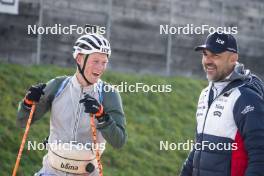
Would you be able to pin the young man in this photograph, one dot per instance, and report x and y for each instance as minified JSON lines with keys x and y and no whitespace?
{"x":230,"y":115}
{"x":72,"y":100}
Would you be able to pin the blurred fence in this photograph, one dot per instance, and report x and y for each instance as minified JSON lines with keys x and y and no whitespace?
{"x":133,"y":28}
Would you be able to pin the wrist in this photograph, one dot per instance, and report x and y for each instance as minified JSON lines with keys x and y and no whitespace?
{"x":100,"y":112}
{"x":103,"y":118}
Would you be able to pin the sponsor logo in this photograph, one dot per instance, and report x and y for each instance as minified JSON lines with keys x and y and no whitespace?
{"x":218,"y":40}
{"x":199,"y":114}
{"x":201,"y":107}
{"x":221,"y":99}
{"x":218,"y":106}
{"x":217,"y":113}
{"x":105,"y":50}
{"x":69,"y":166}
{"x":248,"y":109}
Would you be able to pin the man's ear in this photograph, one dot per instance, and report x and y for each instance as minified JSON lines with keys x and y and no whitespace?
{"x":234,"y":57}
{"x":79,"y":59}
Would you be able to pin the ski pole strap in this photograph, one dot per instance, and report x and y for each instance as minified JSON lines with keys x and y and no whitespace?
{"x":92,"y":123}
{"x":28,"y":102}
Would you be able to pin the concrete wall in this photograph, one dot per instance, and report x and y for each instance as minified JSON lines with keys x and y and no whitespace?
{"x":134,"y":32}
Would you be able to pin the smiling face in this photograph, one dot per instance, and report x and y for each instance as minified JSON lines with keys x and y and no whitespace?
{"x":95,"y":67}
{"x":218,"y":66}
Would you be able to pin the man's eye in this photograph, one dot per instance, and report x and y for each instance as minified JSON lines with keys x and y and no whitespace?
{"x":204,"y":53}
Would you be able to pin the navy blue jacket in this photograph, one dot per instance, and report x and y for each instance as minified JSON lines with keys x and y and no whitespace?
{"x":233,"y":121}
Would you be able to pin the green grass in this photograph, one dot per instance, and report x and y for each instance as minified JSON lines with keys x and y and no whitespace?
{"x":151,"y":117}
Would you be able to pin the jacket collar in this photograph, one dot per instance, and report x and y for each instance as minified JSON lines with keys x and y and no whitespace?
{"x":236,"y":79}
{"x":242,"y":77}
{"x":76,"y":84}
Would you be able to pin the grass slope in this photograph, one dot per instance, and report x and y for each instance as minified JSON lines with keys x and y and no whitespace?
{"x":151,"y":117}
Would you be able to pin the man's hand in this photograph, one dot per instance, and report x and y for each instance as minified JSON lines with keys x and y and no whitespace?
{"x":92,"y":106}
{"x":34,"y":93}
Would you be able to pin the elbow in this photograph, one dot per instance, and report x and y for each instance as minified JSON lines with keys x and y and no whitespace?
{"x":121,"y":142}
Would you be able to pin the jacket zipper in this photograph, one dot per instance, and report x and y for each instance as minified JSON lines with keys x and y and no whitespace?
{"x":77,"y":117}
{"x":200,"y":153}
{"x":204,"y":126}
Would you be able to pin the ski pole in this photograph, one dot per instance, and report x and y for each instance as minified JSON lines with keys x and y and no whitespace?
{"x":24,"y":139}
{"x":95,"y":142}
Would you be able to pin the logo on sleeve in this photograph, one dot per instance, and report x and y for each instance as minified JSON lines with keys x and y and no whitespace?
{"x":247,"y":109}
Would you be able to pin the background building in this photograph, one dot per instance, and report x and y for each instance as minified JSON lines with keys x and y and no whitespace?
{"x":134,"y":30}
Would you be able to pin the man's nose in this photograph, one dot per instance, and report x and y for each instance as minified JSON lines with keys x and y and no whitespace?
{"x":208,"y":59}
